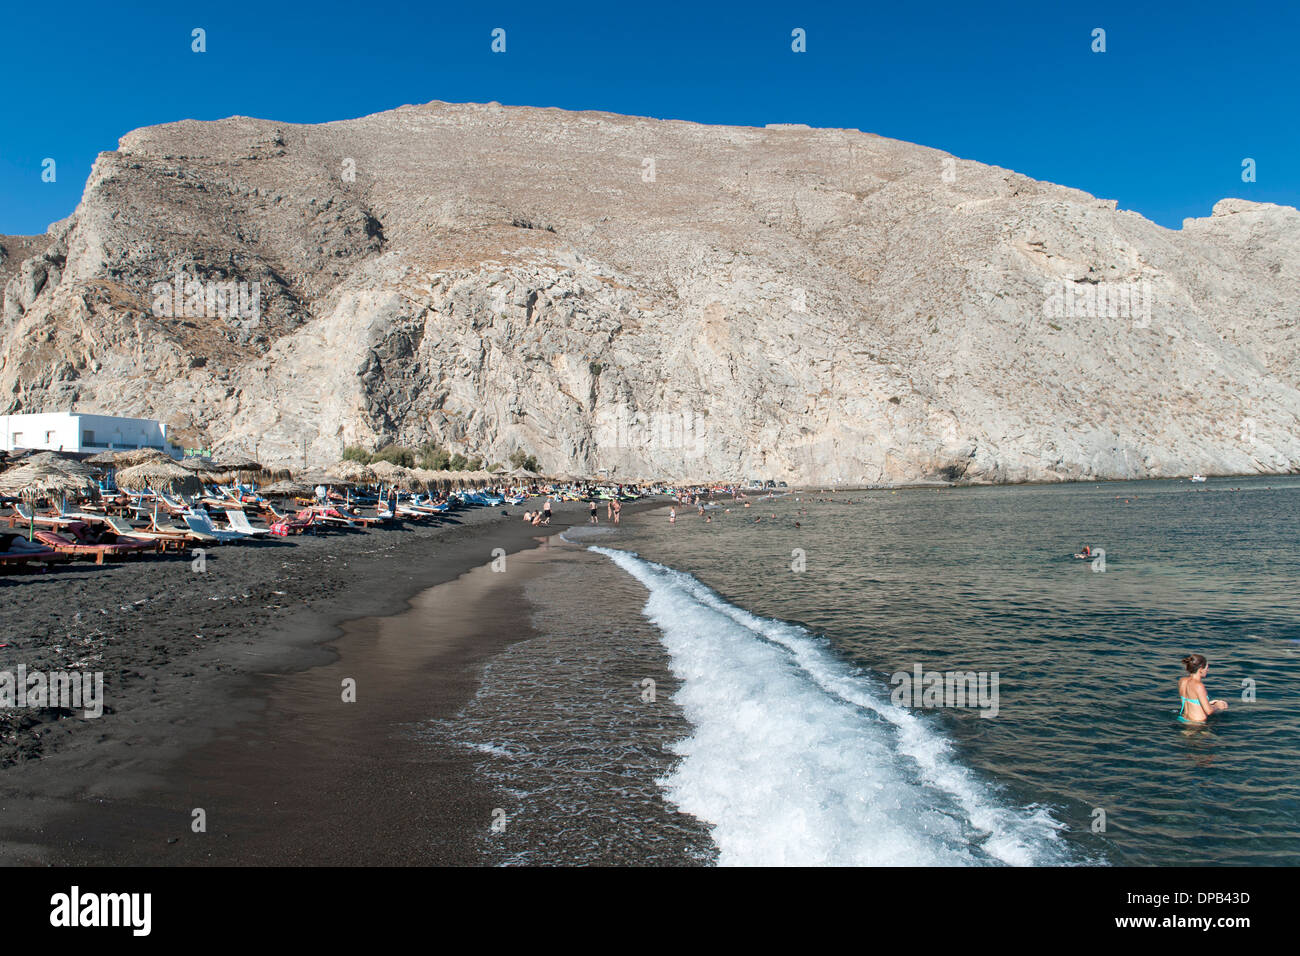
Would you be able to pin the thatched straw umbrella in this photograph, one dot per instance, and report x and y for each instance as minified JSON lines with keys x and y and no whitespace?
{"x":390,"y":474}
{"x":105,"y":459}
{"x":203,"y":467}
{"x":440,"y":477}
{"x":235,"y":468}
{"x":240,"y":463}
{"x":34,"y":481}
{"x":49,"y":459}
{"x":137,"y":456}
{"x":159,"y":476}
{"x":288,"y":488}
{"x":422,"y":479}
{"x":386,"y":470}
{"x":326,"y":478}
{"x":353,"y":471}
{"x":37,"y":481}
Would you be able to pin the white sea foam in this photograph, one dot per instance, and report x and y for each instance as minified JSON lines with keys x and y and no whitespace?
{"x":795,"y":758}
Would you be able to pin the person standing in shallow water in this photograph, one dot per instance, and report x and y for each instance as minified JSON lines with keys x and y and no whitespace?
{"x":1196,"y":707}
{"x":595,"y":519}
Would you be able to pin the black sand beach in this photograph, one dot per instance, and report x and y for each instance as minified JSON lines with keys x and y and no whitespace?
{"x":252,"y":643}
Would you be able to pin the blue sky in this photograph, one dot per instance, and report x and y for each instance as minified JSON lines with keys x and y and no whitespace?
{"x":1161,"y":121}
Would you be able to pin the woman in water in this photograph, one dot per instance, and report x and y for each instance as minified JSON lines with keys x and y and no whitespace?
{"x":1196,"y":707}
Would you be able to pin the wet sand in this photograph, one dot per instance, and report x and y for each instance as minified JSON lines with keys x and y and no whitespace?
{"x":232,"y":723}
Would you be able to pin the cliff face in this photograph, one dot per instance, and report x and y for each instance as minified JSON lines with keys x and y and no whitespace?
{"x":656,"y":298}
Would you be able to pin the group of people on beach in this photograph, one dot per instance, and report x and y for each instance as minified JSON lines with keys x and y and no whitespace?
{"x":613,"y":511}
{"x":542,"y":517}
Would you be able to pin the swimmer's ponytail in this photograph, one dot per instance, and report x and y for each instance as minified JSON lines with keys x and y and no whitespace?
{"x":1194,"y":662}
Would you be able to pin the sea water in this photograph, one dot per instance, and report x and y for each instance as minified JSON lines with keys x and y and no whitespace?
{"x":778,"y":646}
{"x":787,"y":639}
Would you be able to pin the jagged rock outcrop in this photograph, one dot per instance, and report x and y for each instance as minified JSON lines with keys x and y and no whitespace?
{"x":656,"y":298}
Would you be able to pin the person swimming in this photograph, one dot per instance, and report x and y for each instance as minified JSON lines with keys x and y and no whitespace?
{"x":1196,"y":708}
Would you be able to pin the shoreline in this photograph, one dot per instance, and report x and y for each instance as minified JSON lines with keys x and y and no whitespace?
{"x":924,"y":484}
{"x":166,"y":702}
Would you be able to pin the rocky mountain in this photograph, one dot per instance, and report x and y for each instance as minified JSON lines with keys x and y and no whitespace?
{"x":653,"y":298}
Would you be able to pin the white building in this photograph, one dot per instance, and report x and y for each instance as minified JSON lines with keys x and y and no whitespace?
{"x":78,"y":431}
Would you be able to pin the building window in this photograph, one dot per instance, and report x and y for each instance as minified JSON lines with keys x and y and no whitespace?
{"x":87,"y":437}
{"x":18,"y":440}
{"x":49,"y":438}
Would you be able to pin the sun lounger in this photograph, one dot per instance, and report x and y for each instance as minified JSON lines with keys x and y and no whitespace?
{"x":201,"y":523}
{"x":238,"y":521}
{"x":368,"y":521}
{"x":282,"y":525}
{"x":74,"y":540}
{"x":25,"y":514}
{"x":331,"y":517}
{"x":189,"y":534}
{"x":15,"y":549}
{"x":167,"y":540}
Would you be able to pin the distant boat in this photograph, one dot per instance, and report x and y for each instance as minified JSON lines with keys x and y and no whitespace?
{"x":1198,"y":478}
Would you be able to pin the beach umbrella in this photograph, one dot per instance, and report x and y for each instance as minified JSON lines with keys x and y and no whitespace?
{"x":158,"y":475}
{"x":67,"y":466}
{"x":448,"y":477}
{"x":161,"y":475}
{"x":200,"y":466}
{"x":327,"y":479}
{"x":425,"y":478}
{"x":390,"y":474}
{"x":204,"y":469}
{"x":351,"y":471}
{"x":288,"y":488}
{"x":235,"y":468}
{"x":49,"y":459}
{"x":106,"y":459}
{"x":36,"y":481}
{"x":137,"y":456}
{"x":241,"y":463}
{"x":386,"y":470}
